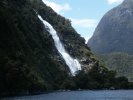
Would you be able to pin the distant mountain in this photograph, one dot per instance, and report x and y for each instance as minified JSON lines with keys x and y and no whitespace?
{"x":39,"y":50}
{"x":114,"y":33}
{"x":112,"y":40}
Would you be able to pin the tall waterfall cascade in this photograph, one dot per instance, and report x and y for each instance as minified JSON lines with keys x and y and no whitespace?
{"x":72,"y":63}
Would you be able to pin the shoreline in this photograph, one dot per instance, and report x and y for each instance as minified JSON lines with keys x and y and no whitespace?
{"x":8,"y":95}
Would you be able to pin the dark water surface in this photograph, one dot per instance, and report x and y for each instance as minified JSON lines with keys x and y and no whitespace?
{"x":81,"y":95}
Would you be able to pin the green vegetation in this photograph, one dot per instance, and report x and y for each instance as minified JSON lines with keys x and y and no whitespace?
{"x":122,"y":63}
{"x":112,"y":40}
{"x":97,"y":78}
{"x":29,"y":61}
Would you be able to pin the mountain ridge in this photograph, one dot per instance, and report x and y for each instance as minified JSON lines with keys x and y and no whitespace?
{"x":114,"y":32}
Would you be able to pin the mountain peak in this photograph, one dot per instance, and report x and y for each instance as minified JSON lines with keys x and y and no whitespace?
{"x":114,"y":32}
{"x":128,"y":2}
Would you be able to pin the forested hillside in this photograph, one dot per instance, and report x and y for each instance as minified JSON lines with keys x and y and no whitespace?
{"x":29,"y":60}
{"x":122,"y":63}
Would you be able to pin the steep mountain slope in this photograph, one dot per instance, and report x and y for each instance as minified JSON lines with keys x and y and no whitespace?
{"x":29,"y":60}
{"x":115,"y":31}
{"x":122,"y":63}
{"x":26,"y":49}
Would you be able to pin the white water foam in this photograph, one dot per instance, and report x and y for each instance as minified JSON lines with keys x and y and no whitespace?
{"x":72,"y":63}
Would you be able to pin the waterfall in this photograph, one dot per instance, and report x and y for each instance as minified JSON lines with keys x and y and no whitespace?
{"x":72,"y":63}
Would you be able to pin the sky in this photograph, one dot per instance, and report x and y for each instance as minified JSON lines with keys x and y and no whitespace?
{"x":84,"y":14}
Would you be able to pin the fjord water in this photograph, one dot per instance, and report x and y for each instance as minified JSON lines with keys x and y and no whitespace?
{"x":81,"y":95}
{"x":73,"y":64}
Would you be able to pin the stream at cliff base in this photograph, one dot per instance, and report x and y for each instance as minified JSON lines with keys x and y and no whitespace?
{"x":80,"y":95}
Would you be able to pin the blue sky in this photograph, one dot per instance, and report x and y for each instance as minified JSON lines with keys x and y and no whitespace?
{"x":84,"y":14}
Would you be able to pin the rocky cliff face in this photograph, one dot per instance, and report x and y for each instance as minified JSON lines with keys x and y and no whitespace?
{"x":115,"y":31}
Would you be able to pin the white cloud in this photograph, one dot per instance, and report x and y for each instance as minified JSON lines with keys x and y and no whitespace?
{"x":57,"y":7}
{"x":87,"y":38}
{"x":114,"y":1}
{"x":84,"y":23}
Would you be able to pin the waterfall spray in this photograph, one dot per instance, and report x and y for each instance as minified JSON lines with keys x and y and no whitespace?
{"x":72,"y":63}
